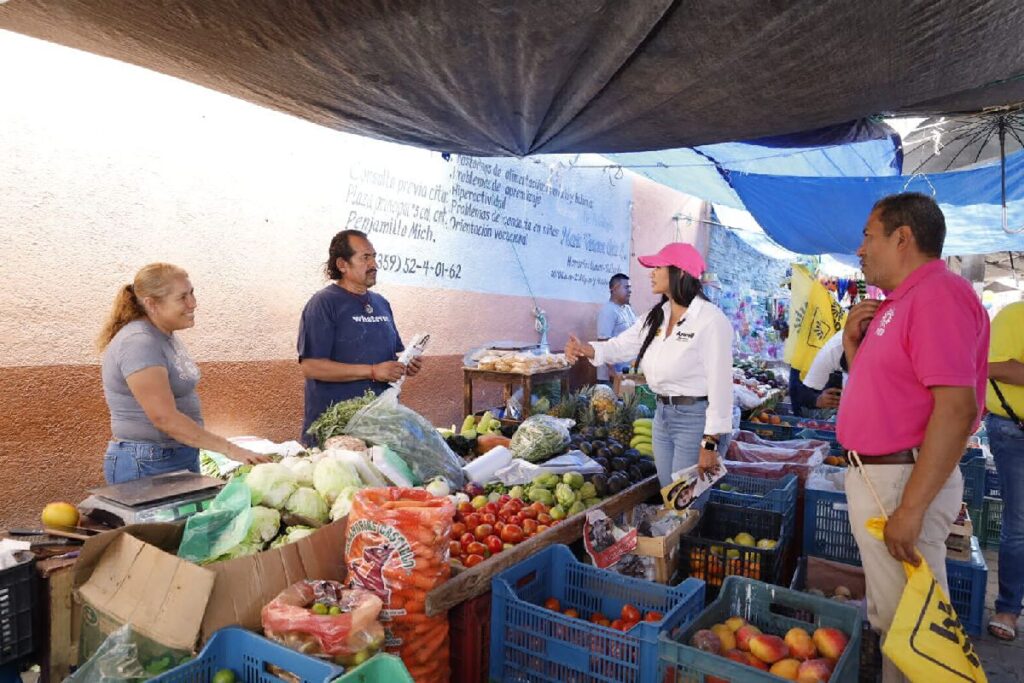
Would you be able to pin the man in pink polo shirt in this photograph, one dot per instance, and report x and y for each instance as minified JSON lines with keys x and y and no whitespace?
{"x":918,"y":366}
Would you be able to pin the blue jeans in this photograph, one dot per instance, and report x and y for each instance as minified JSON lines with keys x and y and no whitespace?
{"x":1006,"y":441}
{"x":130,"y":460}
{"x":675,"y":438}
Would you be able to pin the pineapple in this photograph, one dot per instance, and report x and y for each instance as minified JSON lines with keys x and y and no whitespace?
{"x":604,"y":403}
{"x":566,"y":408}
{"x":620,"y":427}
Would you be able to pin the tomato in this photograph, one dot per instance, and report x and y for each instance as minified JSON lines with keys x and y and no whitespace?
{"x":541,"y":528}
{"x":483,"y":531}
{"x":529,"y":527}
{"x":630,"y":613}
{"x":512,"y":533}
{"x":515,"y":519}
{"x":517,"y":504}
{"x":543,"y":518}
{"x":473,"y":520}
{"x":597,"y":618}
{"x":604,"y":622}
{"x":498,"y":526}
{"x":466,"y":508}
{"x":571,"y":613}
{"x":489,"y":518}
{"x":458,"y":529}
{"x":454,"y":548}
{"x":466,"y":538}
{"x":506,"y":511}
{"x":476,"y":548}
{"x":553,"y":605}
{"x":473,"y":560}
{"x":492,"y":508}
{"x":618,"y":625}
{"x":539,"y":508}
{"x":494,"y":544}
{"x":653,"y":616}
{"x":504,"y":498}
{"x":528,"y":513}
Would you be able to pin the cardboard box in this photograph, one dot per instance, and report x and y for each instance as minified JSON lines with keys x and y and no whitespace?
{"x":665,"y":549}
{"x":132,"y":575}
{"x":958,"y":543}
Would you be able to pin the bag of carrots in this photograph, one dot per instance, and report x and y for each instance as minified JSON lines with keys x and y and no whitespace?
{"x":397,"y":548}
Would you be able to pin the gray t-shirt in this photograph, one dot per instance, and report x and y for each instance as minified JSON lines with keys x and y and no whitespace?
{"x":613,"y":320}
{"x":139,"y":345}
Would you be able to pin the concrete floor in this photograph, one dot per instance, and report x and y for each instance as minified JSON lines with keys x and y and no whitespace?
{"x":1003,"y":662}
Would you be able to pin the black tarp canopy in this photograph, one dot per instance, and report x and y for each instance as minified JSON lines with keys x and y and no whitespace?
{"x":518,"y":77}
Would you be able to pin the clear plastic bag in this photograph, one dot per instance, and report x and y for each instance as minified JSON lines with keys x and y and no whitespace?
{"x":540,"y":437}
{"x":352,"y":635}
{"x":751,"y":455}
{"x":216,"y":530}
{"x":386,"y":422}
{"x":126,"y":657}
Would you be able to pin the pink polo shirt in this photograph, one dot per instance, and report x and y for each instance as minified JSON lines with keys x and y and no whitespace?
{"x":931,"y":331}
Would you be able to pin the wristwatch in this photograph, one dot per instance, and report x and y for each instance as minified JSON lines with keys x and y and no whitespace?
{"x":709,"y":443}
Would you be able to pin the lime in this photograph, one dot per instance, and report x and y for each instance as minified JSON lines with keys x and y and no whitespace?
{"x":224,"y":676}
{"x":334,"y":610}
{"x":319,"y":608}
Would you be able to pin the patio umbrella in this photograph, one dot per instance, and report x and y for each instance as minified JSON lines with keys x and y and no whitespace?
{"x":946,"y":143}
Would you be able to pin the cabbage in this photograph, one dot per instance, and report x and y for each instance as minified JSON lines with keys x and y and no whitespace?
{"x":271,"y":483}
{"x":243,"y":549}
{"x":265,"y":525}
{"x":308,"y":504}
{"x":292,"y":534}
{"x":343,"y":503}
{"x":331,"y":476}
{"x":302,"y":468}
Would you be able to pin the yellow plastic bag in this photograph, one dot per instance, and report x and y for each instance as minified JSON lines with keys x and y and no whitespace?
{"x":926,"y":640}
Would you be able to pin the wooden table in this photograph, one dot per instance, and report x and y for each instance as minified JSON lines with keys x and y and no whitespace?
{"x":477,"y":581}
{"x":509,"y":380}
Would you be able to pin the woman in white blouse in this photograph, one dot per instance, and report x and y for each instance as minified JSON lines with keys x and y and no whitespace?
{"x":683,"y":346}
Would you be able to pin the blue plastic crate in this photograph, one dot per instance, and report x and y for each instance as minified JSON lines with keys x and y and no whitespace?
{"x":17,"y":603}
{"x":757,"y":493}
{"x":972,"y":466}
{"x":967,"y":584}
{"x":991,"y":483}
{"x":991,"y":523}
{"x":766,"y":607}
{"x":249,"y":656}
{"x":827,"y":531}
{"x":783,"y":432}
{"x":531,"y":643}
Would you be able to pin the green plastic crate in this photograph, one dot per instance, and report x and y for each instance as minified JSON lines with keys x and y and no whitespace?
{"x":381,"y":668}
{"x":770,"y":609}
{"x":991,"y":522}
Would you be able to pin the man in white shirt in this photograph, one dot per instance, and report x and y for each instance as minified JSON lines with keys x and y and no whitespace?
{"x":616,"y":316}
{"x":830,"y":359}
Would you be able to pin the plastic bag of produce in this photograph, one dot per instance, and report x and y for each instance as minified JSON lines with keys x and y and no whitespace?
{"x":386,"y":422}
{"x":751,"y":455}
{"x":126,"y":657}
{"x":397,"y":548}
{"x":324,"y":619}
{"x":216,"y":530}
{"x":540,"y":437}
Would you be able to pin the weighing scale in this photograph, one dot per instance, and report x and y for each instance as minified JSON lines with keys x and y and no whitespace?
{"x":163,"y":498}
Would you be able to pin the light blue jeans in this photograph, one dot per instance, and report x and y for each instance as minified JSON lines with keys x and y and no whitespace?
{"x":1006,"y":441}
{"x":130,"y":460}
{"x":675,"y":438}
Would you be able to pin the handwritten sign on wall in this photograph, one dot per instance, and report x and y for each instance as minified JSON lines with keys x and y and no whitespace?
{"x":505,"y":226}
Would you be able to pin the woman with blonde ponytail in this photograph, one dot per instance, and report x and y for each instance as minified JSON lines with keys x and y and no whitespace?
{"x":149,"y":380}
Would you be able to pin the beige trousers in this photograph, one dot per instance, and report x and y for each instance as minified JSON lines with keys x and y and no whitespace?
{"x":884,"y":575}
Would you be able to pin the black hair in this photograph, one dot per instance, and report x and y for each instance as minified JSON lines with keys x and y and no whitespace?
{"x":683,"y":288}
{"x":341,"y":248}
{"x":920,"y":213}
{"x":616,"y":278}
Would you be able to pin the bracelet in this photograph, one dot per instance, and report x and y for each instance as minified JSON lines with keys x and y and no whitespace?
{"x":373,"y":377}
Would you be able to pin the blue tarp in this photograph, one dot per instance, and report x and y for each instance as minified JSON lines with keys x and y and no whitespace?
{"x":820,"y":215}
{"x":858,"y":148}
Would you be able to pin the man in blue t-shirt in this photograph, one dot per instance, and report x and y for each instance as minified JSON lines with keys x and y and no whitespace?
{"x":348,"y":341}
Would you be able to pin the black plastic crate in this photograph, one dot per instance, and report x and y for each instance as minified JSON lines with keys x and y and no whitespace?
{"x":17,"y":602}
{"x":711,"y":559}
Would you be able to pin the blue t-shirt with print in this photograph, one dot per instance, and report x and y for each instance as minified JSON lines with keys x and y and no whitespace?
{"x":336,"y":325}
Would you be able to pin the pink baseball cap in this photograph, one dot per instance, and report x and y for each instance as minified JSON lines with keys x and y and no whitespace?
{"x":678,"y":254}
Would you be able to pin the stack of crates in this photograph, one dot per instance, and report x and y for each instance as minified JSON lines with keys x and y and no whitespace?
{"x":967,"y":584}
{"x":992,"y":511}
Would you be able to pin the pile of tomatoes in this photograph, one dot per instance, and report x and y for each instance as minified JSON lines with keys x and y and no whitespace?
{"x":629,"y":616}
{"x":478,"y":533}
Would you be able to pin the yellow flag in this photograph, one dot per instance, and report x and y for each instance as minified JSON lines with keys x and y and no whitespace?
{"x":814,"y":316}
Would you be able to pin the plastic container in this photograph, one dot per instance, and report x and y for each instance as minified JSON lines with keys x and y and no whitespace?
{"x":967,"y":584}
{"x":17,"y":602}
{"x":531,"y":643}
{"x":991,"y":522}
{"x":707,"y":557}
{"x":249,"y":656}
{"x":380,"y":668}
{"x":827,"y":531}
{"x":972,"y":466}
{"x":470,"y":626}
{"x":760,"y":604}
{"x":756,"y":493}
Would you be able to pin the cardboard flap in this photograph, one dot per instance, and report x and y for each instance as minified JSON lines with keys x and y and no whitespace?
{"x":165,"y":536}
{"x":160,"y":595}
